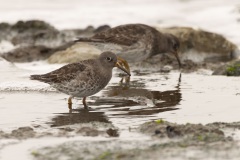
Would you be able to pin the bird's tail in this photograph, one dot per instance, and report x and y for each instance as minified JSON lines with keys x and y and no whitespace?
{"x":89,"y":40}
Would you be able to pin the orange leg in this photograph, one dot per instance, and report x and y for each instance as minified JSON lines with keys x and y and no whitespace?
{"x":70,"y":103}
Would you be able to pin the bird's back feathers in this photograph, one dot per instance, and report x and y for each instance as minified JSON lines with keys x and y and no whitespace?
{"x":63,"y":74}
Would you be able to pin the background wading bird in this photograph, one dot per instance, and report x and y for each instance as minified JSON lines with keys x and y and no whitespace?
{"x":134,"y":42}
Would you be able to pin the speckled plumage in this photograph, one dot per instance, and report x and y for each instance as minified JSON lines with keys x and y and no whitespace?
{"x":81,"y":79}
{"x":78,"y":79}
{"x":134,"y":42}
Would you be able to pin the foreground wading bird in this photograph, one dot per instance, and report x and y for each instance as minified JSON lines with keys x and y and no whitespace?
{"x":84,"y":78}
{"x":134,"y":42}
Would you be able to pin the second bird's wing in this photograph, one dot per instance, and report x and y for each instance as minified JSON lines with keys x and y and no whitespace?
{"x":122,"y":35}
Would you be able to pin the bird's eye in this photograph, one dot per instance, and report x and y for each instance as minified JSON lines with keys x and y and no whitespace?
{"x":109,"y":59}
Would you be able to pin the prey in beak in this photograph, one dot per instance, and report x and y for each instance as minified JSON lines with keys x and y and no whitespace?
{"x":123,"y":65}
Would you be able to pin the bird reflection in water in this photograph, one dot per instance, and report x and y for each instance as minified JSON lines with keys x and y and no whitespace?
{"x":83,"y":116}
{"x":162,"y":101}
{"x":119,"y":100}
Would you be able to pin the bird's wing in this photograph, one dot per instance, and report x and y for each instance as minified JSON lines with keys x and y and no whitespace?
{"x":63,"y":74}
{"x":123,"y":35}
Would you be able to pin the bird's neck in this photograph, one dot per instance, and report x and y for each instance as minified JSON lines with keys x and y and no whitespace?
{"x":105,"y":70}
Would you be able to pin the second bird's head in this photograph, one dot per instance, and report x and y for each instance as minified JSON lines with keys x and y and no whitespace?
{"x":110,"y":60}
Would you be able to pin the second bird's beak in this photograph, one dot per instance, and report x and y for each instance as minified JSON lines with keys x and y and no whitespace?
{"x":178,"y":59}
{"x":118,"y":65}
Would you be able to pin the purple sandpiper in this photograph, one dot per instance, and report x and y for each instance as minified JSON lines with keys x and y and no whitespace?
{"x":84,"y":78}
{"x":135,"y":42}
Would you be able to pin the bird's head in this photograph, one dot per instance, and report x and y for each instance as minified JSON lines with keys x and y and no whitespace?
{"x":110,"y":60}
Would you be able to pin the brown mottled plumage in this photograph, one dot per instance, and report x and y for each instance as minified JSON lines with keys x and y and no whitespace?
{"x":84,"y":78}
{"x":134,"y":42}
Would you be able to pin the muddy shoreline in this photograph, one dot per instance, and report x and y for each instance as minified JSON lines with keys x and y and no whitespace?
{"x":165,"y":140}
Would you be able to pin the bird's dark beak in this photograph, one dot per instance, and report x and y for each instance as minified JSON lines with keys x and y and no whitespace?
{"x":178,"y":59}
{"x":120,"y":66}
